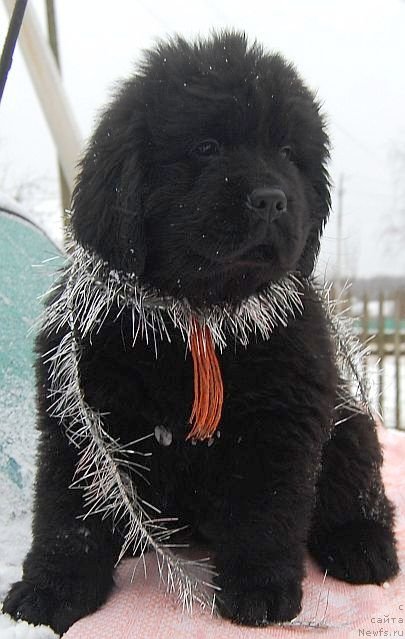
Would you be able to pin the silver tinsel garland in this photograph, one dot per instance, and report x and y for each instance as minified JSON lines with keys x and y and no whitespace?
{"x":93,"y":290}
{"x":89,"y":293}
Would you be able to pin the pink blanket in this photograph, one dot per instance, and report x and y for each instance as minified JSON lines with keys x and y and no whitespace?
{"x":142,"y":610}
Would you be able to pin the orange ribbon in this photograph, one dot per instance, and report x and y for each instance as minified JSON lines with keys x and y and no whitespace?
{"x":208,"y":386}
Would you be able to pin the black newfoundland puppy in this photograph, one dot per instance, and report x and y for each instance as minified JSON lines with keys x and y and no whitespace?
{"x":206,"y":179}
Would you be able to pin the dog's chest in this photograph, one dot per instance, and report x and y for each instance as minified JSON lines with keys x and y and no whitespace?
{"x":151,"y":390}
{"x":147,"y":387}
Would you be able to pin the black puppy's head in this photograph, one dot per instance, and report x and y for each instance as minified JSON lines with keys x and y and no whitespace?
{"x":206,"y":175}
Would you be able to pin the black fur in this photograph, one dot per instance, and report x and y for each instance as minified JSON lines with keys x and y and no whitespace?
{"x":281,"y":478}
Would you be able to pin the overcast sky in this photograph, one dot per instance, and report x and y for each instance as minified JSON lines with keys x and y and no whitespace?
{"x":352,"y":52}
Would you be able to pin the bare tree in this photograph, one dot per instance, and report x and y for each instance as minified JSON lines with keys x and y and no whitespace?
{"x":38,"y":195}
{"x":28,"y":190}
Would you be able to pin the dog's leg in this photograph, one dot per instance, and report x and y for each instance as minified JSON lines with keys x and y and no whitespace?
{"x":352,"y":532}
{"x":68,"y":571}
{"x":261,"y":535}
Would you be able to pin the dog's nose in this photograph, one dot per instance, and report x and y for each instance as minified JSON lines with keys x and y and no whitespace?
{"x":268,"y":203}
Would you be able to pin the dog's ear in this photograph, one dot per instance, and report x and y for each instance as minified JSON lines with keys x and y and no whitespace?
{"x":320,"y":216}
{"x":321,"y":200}
{"x":107,"y":201}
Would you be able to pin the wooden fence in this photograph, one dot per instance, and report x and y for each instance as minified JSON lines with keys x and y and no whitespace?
{"x":380,"y":322}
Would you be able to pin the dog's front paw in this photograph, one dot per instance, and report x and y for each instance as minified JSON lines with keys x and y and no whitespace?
{"x":40,"y":606}
{"x":360,"y":552}
{"x":260,"y":605}
{"x":25,"y":601}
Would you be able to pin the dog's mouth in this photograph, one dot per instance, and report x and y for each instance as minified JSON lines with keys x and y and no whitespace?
{"x":259,"y":257}
{"x":246,"y":258}
{"x":253,"y":262}
{"x":251,"y":251}
{"x":258,"y":261}
{"x":257,"y":252}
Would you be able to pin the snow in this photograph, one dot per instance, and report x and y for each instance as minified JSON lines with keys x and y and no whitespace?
{"x":17,"y":445}
{"x":9,"y":629}
{"x":16,"y":473}
{"x":15,"y":507}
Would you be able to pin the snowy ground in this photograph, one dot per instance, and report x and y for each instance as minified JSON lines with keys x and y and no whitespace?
{"x":17,"y":460}
{"x":15,"y":505}
{"x":15,"y":523}
{"x":23,"y":630}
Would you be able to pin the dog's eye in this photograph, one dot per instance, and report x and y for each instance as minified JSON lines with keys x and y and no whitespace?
{"x":206,"y":148}
{"x":286,"y":152}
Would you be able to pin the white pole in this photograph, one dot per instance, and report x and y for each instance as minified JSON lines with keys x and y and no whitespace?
{"x":50,"y":91}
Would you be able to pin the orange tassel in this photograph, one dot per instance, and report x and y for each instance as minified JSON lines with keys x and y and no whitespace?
{"x":208,"y":386}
